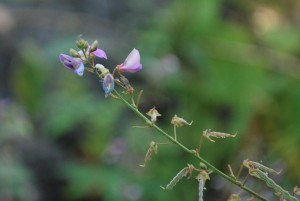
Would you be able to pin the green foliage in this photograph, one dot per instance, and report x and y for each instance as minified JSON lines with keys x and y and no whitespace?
{"x":213,"y":62}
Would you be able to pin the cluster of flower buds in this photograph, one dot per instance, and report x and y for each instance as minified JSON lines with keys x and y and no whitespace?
{"x":86,"y":55}
{"x":76,"y":61}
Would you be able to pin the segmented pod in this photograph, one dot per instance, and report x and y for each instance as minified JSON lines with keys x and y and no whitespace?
{"x":177,"y":178}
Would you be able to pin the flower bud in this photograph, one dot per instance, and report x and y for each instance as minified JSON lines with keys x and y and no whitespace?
{"x":104,"y":71}
{"x":82,"y":44}
{"x":74,"y":53}
{"x":94,"y":46}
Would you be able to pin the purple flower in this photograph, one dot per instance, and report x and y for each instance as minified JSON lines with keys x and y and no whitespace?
{"x":75,"y":64}
{"x":132,"y":63}
{"x":99,"y":53}
{"x":108,"y":84}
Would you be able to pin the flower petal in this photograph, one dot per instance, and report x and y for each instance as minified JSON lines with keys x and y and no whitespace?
{"x":79,"y":69}
{"x":74,"y":64}
{"x":108,"y":84}
{"x":67,"y":61}
{"x":132,"y":59}
{"x":99,"y":53}
{"x":132,"y":62}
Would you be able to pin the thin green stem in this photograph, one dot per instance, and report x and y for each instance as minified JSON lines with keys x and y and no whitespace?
{"x":134,"y":108}
{"x":193,"y":152}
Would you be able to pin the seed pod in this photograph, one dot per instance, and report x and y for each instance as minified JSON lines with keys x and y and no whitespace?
{"x":252,"y":164}
{"x":177,"y":178}
{"x":208,"y":133}
{"x":279,"y":191}
{"x":152,"y":149}
{"x":202,"y":177}
{"x":200,"y":189}
{"x":178,"y":122}
{"x":126,"y":83}
{"x":263,"y":168}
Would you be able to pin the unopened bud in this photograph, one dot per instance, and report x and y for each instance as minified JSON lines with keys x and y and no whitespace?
{"x":74,"y":53}
{"x":82,"y":44}
{"x":94,"y":46}
{"x":104,"y":71}
{"x":203,"y":166}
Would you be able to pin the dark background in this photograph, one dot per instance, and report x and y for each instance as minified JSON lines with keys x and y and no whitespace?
{"x":231,"y":66}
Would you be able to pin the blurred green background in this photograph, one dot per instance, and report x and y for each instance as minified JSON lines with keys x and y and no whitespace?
{"x":231,"y":66}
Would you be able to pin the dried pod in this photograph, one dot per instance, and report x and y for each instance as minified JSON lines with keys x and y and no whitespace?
{"x":190,"y":170}
{"x":252,"y":164}
{"x":208,"y":133}
{"x":183,"y":173}
{"x":126,"y":83}
{"x":200,"y":189}
{"x":152,"y":149}
{"x":178,"y":122}
{"x":202,"y":177}
{"x":153,"y":113}
{"x":279,"y":191}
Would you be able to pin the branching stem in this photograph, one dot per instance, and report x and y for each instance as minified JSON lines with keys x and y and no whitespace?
{"x":190,"y":151}
{"x":193,"y":152}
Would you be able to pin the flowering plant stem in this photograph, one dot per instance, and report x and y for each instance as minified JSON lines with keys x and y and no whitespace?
{"x":190,"y":151}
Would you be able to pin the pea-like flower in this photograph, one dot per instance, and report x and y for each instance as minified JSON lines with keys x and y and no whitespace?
{"x":132,"y":63}
{"x":97,"y":53}
{"x":108,"y":84}
{"x":75,"y":64}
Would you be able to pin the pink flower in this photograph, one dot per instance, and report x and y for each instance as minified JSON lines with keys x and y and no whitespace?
{"x":75,"y":64}
{"x":99,"y":53}
{"x":132,"y":63}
